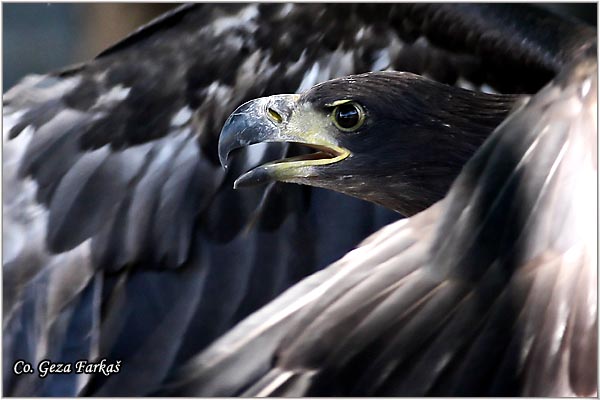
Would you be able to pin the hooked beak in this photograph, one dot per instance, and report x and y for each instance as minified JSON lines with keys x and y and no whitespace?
{"x":280,"y":118}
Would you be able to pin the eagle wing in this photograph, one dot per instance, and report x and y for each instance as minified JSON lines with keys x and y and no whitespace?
{"x":491,"y":291}
{"x":124,"y":239}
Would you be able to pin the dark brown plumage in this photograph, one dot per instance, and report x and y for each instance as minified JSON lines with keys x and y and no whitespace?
{"x":124,"y":239}
{"x":490,"y":292}
{"x":414,"y":136}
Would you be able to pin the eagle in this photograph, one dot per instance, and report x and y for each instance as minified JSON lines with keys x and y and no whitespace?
{"x":124,"y":239}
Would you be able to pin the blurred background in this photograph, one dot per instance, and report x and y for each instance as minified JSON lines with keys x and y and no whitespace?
{"x":40,"y":37}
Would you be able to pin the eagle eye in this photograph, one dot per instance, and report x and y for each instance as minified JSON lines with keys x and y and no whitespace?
{"x":348,"y":116}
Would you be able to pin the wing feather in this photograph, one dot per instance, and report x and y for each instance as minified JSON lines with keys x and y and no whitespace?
{"x":110,"y":169}
{"x":482,"y":294}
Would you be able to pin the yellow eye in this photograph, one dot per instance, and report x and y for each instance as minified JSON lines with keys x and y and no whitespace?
{"x":348,"y":116}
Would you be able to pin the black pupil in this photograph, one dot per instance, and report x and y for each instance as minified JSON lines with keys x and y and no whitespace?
{"x":347,"y":116}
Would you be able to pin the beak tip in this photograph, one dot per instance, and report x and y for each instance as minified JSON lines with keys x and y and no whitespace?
{"x":224,"y":161}
{"x":225,"y":147}
{"x":235,"y":129}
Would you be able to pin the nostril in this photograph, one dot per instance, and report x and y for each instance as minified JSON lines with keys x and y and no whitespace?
{"x":274,"y":115}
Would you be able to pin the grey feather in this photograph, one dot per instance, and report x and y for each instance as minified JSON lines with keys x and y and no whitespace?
{"x":474,"y":296}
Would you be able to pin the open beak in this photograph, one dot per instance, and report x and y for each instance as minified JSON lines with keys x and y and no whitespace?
{"x":280,"y":118}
